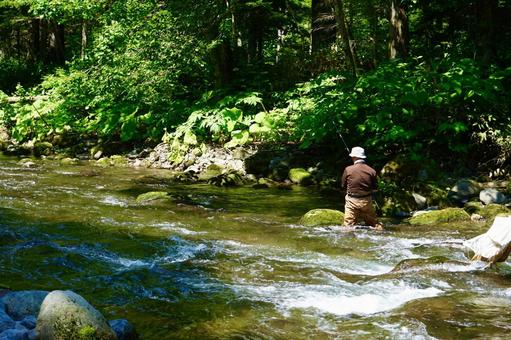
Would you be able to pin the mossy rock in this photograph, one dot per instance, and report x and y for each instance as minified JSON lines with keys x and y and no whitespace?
{"x":151,"y":196}
{"x":117,"y":160}
{"x":300,"y":176}
{"x":69,"y":161}
{"x":441,"y":216}
{"x":490,"y":211}
{"x":43,"y":149}
{"x":319,"y":217}
{"x":212,"y":170}
{"x":103,"y":162}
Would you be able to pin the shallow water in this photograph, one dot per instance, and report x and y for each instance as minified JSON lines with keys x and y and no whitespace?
{"x":216,"y":263}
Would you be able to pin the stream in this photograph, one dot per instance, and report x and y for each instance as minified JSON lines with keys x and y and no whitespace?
{"x":233,"y":263}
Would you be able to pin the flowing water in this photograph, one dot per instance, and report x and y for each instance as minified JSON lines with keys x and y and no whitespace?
{"x":217,"y":263}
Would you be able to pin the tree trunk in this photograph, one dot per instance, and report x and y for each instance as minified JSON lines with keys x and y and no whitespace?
{"x":59,"y":44}
{"x":34,"y":40}
{"x":342,"y":26}
{"x":486,"y":12}
{"x":235,"y":35}
{"x":43,"y":41}
{"x":84,"y":40}
{"x":398,"y":37}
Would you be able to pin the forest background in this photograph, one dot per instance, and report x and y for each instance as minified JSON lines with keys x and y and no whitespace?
{"x":427,"y":80}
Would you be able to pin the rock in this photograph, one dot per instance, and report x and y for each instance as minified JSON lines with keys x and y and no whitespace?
{"x":97,"y":154}
{"x":463,"y":190}
{"x":103,"y":162}
{"x":15,"y":334}
{"x":67,"y":315}
{"x":489,"y":196}
{"x":490,"y":211}
{"x":300,"y":176}
{"x":69,"y":161}
{"x":6,"y":322}
{"x":441,"y":216}
{"x":43,"y":149}
{"x":23,"y":303}
{"x":487,"y":212}
{"x":420,"y":200}
{"x":230,"y":179}
{"x":430,"y":263}
{"x":211,"y":171}
{"x":151,"y":196}
{"x":400,"y":203}
{"x":318,"y":217}
{"x":117,"y":160}
{"x":477,"y":218}
{"x":123,"y":329}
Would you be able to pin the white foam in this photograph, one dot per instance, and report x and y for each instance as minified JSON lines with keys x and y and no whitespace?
{"x":177,"y":227}
{"x":340,"y":299}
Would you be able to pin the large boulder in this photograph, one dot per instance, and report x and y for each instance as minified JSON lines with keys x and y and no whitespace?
{"x":67,"y":315}
{"x":441,"y":216}
{"x":463,"y":191}
{"x":319,"y":217}
{"x":489,"y":196}
{"x":23,"y":303}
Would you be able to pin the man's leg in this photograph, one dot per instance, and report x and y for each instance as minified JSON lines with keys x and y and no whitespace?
{"x":369,"y":215}
{"x":350,"y":212}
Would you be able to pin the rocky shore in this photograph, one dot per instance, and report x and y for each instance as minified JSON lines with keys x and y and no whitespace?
{"x":35,"y":314}
{"x":408,"y":189}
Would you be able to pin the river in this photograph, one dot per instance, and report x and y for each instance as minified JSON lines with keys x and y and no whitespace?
{"x":233,"y":263}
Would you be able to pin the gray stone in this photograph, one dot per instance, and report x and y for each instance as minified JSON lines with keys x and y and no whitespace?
{"x":123,"y":329}
{"x":67,"y":315}
{"x":23,"y":303}
{"x":420,"y":200}
{"x":463,"y":190}
{"x":489,"y":196}
{"x":15,"y":334}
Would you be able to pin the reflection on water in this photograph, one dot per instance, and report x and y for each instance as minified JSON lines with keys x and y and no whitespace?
{"x":220,"y":263}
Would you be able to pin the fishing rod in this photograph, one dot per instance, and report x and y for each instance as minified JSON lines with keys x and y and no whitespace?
{"x":340,"y":135}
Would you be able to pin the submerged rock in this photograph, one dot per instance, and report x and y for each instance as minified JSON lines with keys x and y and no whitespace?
{"x":441,"y":216}
{"x":424,"y":264}
{"x":17,"y":334}
{"x":318,"y":217}
{"x":123,"y":329}
{"x":67,"y":315}
{"x":152,"y":195}
{"x":6,"y":322}
{"x":23,"y":303}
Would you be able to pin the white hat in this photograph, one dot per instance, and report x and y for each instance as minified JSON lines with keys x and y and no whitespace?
{"x":358,"y":152}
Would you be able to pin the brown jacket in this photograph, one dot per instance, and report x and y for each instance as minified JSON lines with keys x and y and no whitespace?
{"x":359,"y":180}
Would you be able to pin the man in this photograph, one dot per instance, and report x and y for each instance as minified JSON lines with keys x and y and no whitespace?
{"x":359,"y":180}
